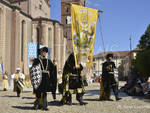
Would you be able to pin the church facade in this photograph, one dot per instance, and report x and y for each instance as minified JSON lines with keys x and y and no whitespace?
{"x":24,"y":21}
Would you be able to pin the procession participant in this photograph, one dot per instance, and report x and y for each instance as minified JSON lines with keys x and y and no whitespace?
{"x":48,"y":79}
{"x":18,"y":78}
{"x":60,"y":89}
{"x":108,"y":79}
{"x":5,"y":81}
{"x":72,"y":82}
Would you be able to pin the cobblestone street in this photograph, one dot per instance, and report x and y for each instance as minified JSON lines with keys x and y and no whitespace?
{"x":9,"y":103}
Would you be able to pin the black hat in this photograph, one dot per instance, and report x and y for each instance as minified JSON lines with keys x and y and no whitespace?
{"x":109,"y":55}
{"x":44,"y":49}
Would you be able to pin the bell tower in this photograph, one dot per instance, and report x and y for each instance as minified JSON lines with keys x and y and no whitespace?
{"x":66,"y":20}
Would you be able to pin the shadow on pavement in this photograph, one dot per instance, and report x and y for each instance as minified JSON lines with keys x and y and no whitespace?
{"x":91,"y":99}
{"x":141,"y":98}
{"x":9,"y":96}
{"x":91,"y":92}
{"x":55,"y":103}
{"x":23,"y":107}
{"x":28,"y":97}
{"x":30,"y":103}
{"x":27,"y":91}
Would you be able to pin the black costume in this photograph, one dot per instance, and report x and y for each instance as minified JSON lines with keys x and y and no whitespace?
{"x":48,"y":83}
{"x":108,"y":80}
{"x":72,"y":82}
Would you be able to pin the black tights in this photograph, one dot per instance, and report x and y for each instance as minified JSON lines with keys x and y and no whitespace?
{"x":18,"y":91}
{"x":42,"y":95}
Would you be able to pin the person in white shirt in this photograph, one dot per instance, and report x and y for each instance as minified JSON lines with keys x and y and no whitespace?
{"x":18,"y":78}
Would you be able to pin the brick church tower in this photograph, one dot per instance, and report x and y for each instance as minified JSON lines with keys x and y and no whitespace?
{"x":66,"y":20}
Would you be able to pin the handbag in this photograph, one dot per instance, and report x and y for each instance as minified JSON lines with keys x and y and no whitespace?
{"x":74,"y":81}
{"x":36,"y":76}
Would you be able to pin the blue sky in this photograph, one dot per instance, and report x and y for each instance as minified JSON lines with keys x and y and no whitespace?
{"x":120,"y":20}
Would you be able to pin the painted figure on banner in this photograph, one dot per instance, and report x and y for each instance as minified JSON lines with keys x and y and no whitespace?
{"x":83,"y":32}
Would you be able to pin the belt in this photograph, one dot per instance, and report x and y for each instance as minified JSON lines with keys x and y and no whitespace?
{"x":111,"y":72}
{"x":74,"y":75}
{"x":44,"y":71}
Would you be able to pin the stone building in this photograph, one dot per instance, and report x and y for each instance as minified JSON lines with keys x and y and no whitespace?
{"x":66,"y":20}
{"x":125,"y":67}
{"x":24,"y":21}
{"x":122,"y":61}
{"x":98,"y":59}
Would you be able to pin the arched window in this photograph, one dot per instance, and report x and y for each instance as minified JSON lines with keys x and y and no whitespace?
{"x":22,"y":39}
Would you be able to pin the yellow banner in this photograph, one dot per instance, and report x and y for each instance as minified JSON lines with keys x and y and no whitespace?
{"x":84,"y":22}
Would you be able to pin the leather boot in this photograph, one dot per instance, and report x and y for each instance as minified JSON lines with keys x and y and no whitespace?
{"x":115,"y":90}
{"x":69,"y":99}
{"x":36,"y":104}
{"x":45,"y":102}
{"x":80,"y":99}
{"x":117,"y":98}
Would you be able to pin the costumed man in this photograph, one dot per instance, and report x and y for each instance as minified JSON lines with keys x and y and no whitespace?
{"x":5,"y":81}
{"x":48,"y":80}
{"x":72,"y":82}
{"x":18,"y":78}
{"x":108,"y":81}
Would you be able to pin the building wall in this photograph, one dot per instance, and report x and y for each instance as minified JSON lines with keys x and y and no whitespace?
{"x":18,"y":20}
{"x":52,"y":37}
{"x":97,"y":63}
{"x":35,"y":8}
{"x":24,"y":5}
{"x":17,"y":29}
{"x":65,"y":13}
{"x":39,"y":8}
{"x":122,"y":62}
{"x":5,"y":31}
{"x":10,"y":38}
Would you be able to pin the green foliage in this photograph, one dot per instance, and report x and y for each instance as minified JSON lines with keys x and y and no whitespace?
{"x":142,"y":61}
{"x":144,"y":42}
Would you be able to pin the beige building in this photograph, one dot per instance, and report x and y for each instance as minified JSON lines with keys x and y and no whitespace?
{"x":126,"y":63}
{"x":24,"y":21}
{"x":99,"y":59}
{"x":122,"y":61}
